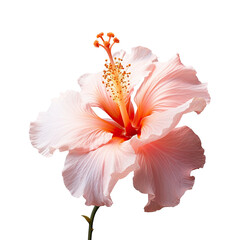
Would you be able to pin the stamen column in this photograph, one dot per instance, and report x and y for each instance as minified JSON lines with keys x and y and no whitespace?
{"x":120,"y":99}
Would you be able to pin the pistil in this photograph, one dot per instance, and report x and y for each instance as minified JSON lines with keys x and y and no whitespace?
{"x":115,"y":78}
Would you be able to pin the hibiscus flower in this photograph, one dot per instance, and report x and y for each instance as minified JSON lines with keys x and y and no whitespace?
{"x":143,"y":139}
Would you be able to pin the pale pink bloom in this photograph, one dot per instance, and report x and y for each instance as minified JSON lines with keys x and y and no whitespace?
{"x":102,"y":151}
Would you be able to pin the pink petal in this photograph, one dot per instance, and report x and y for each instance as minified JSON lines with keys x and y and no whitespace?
{"x":170,"y":85}
{"x":68,"y":124}
{"x":94,"y":174}
{"x":159,"y":124}
{"x":94,"y":92}
{"x":165,"y":167}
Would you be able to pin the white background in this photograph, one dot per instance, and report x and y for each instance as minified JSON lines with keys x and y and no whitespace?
{"x":46,"y":45}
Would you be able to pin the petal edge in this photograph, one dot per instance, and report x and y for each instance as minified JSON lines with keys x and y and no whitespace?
{"x":165,"y":167}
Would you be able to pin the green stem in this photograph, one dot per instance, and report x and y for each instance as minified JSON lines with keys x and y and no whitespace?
{"x":90,"y":229}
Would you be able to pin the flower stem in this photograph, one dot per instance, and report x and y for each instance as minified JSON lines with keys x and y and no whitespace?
{"x":90,"y":229}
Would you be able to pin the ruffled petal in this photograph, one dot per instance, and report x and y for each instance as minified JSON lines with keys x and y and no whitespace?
{"x":68,"y":124}
{"x":95,"y":93}
{"x":170,"y":85}
{"x":94,"y":174}
{"x":165,"y":167}
{"x":159,"y":124}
